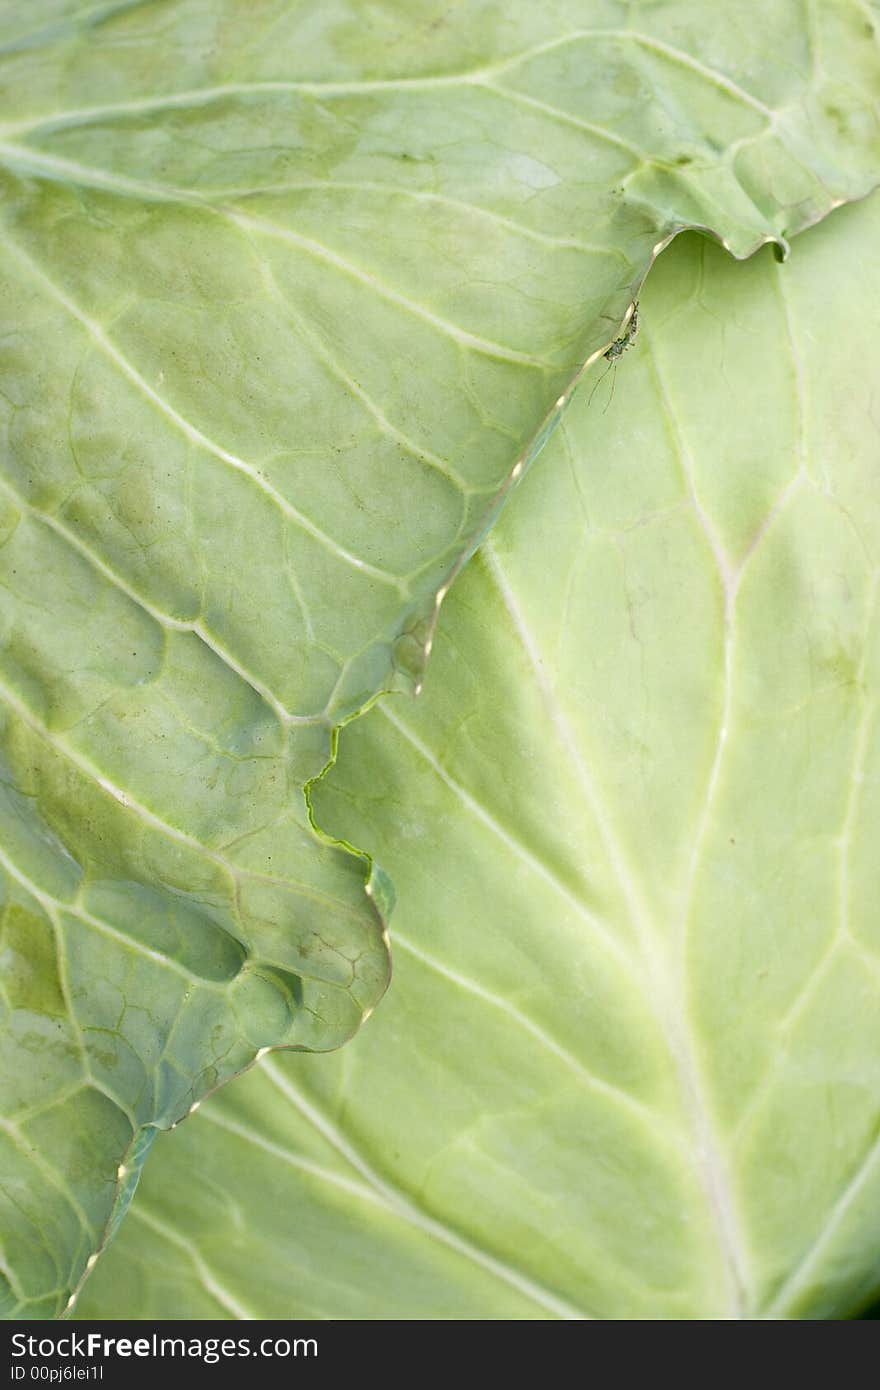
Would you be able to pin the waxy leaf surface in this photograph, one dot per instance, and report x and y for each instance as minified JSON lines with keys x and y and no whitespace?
{"x":290,"y":296}
{"x":628,"y":1064}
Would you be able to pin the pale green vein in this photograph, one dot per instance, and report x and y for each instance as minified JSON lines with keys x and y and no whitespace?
{"x":840,"y":936}
{"x":403,"y":1206}
{"x":56,"y":1179}
{"x":613,"y":1095}
{"x":302,"y":1164}
{"x":729,"y":583}
{"x":719,"y":1185}
{"x":665,"y":984}
{"x":165,"y":620}
{"x":50,"y":907}
{"x":328,"y":89}
{"x":299,"y":1163}
{"x":473,"y":342}
{"x":204,"y":1273}
{"x":564,"y":733}
{"x":190,"y":431}
{"x":420,"y":195}
{"x":25,"y":1114}
{"x":857,"y":772}
{"x":10,"y":1276}
{"x":205,"y":96}
{"x":516,"y":847}
{"x":51,"y":904}
{"x":312,"y":338}
{"x":149,"y":817}
{"x":800,"y":1276}
{"x":67,"y":169}
{"x":555,"y":113}
{"x":710,"y":75}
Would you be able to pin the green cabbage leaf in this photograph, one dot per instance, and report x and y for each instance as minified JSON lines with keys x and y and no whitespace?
{"x":291,"y":296}
{"x":628,"y":1065}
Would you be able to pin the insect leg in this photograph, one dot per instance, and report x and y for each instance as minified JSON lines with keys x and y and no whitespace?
{"x":598,"y":384}
{"x":613,"y":384}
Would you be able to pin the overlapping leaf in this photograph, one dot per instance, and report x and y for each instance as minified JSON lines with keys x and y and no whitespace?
{"x":628,"y":1068}
{"x":291,"y":295}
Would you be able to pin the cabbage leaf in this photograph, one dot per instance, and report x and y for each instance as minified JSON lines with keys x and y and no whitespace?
{"x":291,"y":296}
{"x":628,"y":1065}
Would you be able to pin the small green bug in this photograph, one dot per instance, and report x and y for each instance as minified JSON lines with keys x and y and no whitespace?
{"x":617,"y":349}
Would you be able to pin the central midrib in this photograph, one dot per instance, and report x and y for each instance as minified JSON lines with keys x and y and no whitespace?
{"x":667,"y":994}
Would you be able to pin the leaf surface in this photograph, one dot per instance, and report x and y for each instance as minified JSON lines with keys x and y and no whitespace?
{"x":291,"y":296}
{"x":627,"y":1068}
